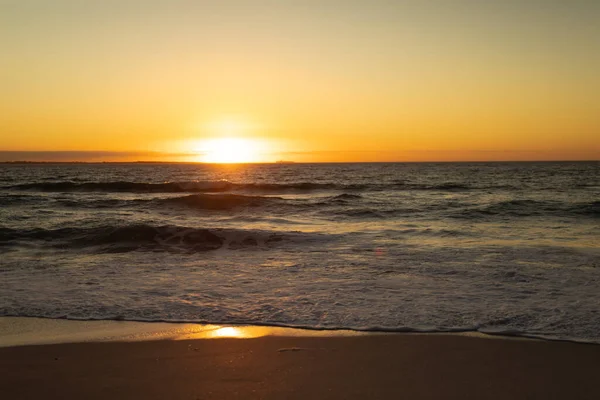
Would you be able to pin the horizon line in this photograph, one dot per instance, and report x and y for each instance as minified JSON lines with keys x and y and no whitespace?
{"x":289,"y":157}
{"x":297,"y":162}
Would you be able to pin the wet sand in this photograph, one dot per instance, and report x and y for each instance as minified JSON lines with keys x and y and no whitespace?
{"x":397,"y":366}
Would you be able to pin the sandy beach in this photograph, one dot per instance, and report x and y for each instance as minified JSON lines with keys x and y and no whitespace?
{"x":410,"y":366}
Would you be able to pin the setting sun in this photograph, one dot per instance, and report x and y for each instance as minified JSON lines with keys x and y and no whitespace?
{"x":229,"y":150}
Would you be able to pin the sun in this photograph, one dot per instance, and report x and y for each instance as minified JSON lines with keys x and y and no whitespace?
{"x":229,"y":150}
{"x":229,"y":140}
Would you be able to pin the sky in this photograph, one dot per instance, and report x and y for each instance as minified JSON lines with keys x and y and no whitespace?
{"x":318,"y":81}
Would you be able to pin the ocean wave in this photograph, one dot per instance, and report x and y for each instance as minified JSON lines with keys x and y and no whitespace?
{"x":144,"y":237}
{"x":17,"y":199}
{"x":591,"y":209}
{"x":175,"y":187}
{"x":219,"y":201}
{"x":227,"y":186}
{"x":198,"y":201}
{"x":347,"y":196}
{"x":125,"y":186}
{"x":209,"y":201}
{"x":530,"y":208}
{"x":445,"y":186}
{"x":361,"y":213}
{"x":370,"y":213}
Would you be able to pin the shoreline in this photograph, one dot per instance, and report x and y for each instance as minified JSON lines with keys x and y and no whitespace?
{"x":25,"y":331}
{"x":32,"y":331}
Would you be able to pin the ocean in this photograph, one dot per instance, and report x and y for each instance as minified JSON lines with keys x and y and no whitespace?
{"x":506,"y":248}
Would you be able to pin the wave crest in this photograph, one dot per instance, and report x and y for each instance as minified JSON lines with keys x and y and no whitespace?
{"x":141,"y":237}
{"x":528,"y":208}
{"x":175,"y":187}
{"x":227,"y":186}
{"x":219,"y":201}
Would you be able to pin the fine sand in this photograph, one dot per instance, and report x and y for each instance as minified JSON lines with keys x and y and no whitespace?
{"x":396,"y":366}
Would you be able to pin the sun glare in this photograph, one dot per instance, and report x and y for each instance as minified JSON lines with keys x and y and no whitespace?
{"x":229,"y":150}
{"x":229,"y":140}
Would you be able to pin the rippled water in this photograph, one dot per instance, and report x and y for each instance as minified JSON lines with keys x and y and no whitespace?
{"x":494,"y":247}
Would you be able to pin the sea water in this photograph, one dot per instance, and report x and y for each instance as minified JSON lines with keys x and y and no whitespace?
{"x":507,"y":248}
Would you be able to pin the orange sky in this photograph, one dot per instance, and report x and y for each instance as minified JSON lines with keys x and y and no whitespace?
{"x":303,"y":81}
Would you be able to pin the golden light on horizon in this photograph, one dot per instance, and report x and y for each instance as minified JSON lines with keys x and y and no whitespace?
{"x":229,"y":140}
{"x":230,"y":150}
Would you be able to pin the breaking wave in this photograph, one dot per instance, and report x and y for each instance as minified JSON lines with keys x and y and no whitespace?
{"x":173,"y":187}
{"x":528,"y":208}
{"x":345,"y":204}
{"x":227,"y":186}
{"x":219,"y":201}
{"x":144,"y":237}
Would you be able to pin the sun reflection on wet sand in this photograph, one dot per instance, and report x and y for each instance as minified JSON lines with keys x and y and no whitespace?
{"x":248,"y":332}
{"x":24,"y":330}
{"x":27,"y":331}
{"x":228,"y":331}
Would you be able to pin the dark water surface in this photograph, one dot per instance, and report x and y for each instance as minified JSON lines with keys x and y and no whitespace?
{"x":494,"y":247}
